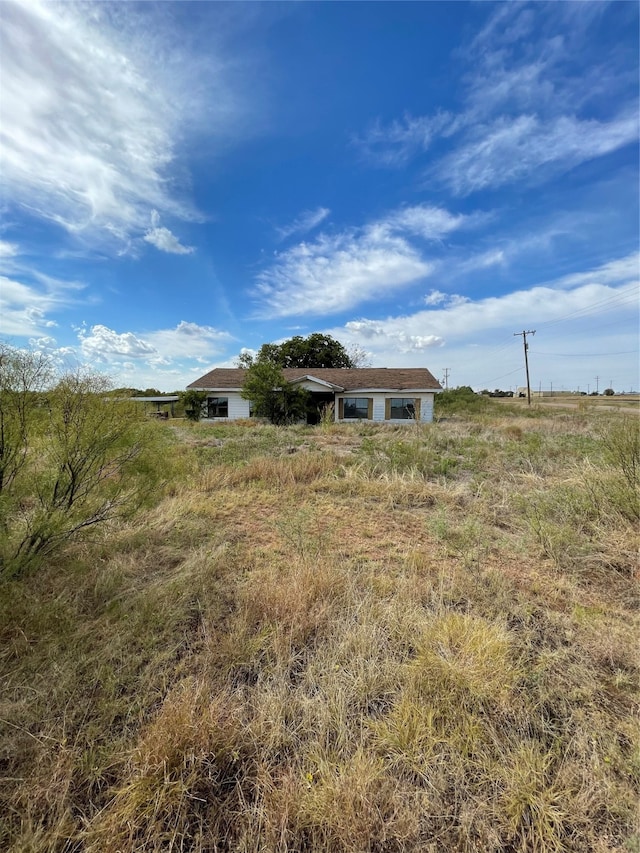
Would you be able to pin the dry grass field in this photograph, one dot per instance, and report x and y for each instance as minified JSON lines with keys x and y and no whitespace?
{"x":340,"y":638}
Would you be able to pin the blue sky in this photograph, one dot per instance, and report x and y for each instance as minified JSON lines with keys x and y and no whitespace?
{"x":182,"y":181}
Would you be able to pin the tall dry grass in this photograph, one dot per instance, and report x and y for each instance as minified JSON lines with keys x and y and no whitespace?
{"x":369,"y":639}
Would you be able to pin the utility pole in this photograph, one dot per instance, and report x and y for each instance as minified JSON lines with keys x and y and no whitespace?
{"x":597,"y":384}
{"x":447,"y":371}
{"x":526,"y":358}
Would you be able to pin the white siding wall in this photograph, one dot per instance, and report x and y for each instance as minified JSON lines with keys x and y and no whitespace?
{"x":426,"y":408}
{"x":379,"y":398}
{"x":378,"y":406}
{"x":238,"y":408}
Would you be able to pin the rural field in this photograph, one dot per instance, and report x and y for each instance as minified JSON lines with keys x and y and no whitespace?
{"x":340,"y":638}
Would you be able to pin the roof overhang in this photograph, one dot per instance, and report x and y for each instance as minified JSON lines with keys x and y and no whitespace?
{"x":403,"y":391}
{"x":308,"y":377}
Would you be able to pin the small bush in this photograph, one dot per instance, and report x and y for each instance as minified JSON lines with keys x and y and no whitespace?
{"x":193,"y":402}
{"x":74,"y":459}
{"x":458,"y":400}
{"x":621,"y":441}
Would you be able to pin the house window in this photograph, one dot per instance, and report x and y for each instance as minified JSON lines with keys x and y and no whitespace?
{"x":218,"y":407}
{"x":402,"y":408}
{"x":356,"y":407}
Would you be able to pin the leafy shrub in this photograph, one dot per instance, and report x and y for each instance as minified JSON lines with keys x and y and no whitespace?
{"x":193,"y":401}
{"x":621,"y":442}
{"x":70,"y":458}
{"x":463,"y":399}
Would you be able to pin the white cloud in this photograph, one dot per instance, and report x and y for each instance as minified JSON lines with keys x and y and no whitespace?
{"x":621,"y":272}
{"x":508,"y":149}
{"x":94,"y":102}
{"x":167,"y":359}
{"x":338,"y":271}
{"x":435,"y":297}
{"x":25,"y":307}
{"x":164,"y":240}
{"x":485,"y":260}
{"x":476,"y":337}
{"x":524,"y":113}
{"x":377,"y":333}
{"x":307,"y":221}
{"x":189,"y":340}
{"x":160,"y":347}
{"x":431,"y":223}
{"x":395,"y":144}
{"x":100,"y":343}
{"x":8,"y":250}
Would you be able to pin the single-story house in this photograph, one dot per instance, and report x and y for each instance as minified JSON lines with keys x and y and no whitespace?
{"x":381,"y":394}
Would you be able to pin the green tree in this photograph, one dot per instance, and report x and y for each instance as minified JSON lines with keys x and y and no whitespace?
{"x":72,"y":457}
{"x":316,"y":350}
{"x":272,"y":396}
{"x":193,"y":401}
{"x":23,"y":375}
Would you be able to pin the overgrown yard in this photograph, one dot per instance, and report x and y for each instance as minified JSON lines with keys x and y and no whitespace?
{"x":340,"y":638}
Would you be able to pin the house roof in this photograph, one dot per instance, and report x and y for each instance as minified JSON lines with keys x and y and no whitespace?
{"x":348,"y":379}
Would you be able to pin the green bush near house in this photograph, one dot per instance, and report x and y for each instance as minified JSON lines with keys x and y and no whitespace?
{"x":192,"y":402}
{"x":456,"y":400}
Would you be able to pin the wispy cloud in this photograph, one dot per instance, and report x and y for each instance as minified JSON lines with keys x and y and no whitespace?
{"x":394,"y":144}
{"x":338,"y":271}
{"x":428,"y":222}
{"x":305,"y":222}
{"x":481,"y":261}
{"x":524,"y":114}
{"x":509,"y":150}
{"x":92,"y":123}
{"x":8,"y":250}
{"x":27,"y":308}
{"x":619,"y":272}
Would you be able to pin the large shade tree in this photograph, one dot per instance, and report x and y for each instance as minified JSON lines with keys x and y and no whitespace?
{"x":316,"y":350}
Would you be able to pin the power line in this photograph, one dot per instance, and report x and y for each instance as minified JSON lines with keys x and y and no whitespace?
{"x":502,"y":376}
{"x":620,"y":296}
